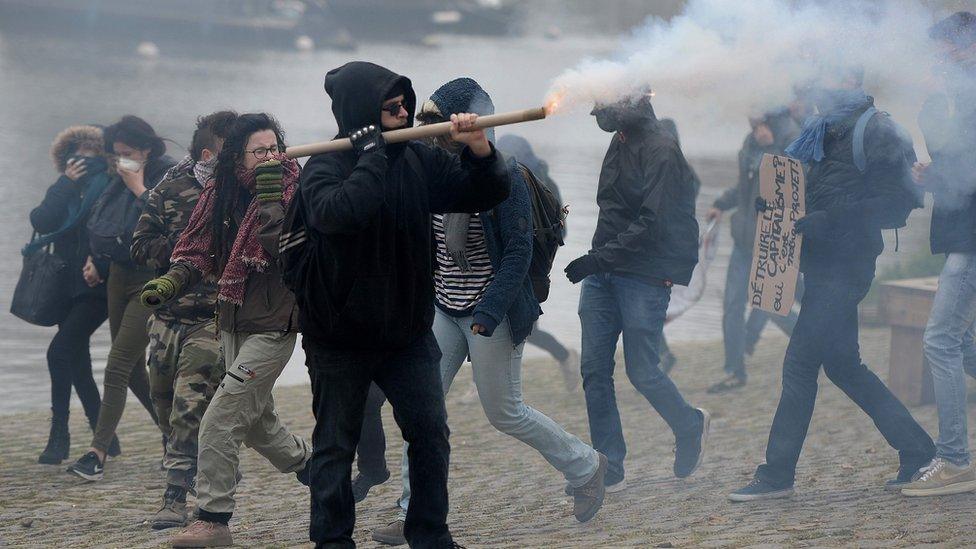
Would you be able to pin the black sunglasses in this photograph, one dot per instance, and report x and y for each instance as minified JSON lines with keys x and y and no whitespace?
{"x":393,"y":109}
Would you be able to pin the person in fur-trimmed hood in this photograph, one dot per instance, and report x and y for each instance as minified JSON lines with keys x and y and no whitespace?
{"x":79,"y":157}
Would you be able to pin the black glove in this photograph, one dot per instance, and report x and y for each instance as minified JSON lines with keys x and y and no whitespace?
{"x":762,"y":205}
{"x":582,"y":267}
{"x":368,"y":140}
{"x":814,"y":225}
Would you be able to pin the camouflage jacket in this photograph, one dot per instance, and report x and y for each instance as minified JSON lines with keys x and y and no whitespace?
{"x":166,"y":214}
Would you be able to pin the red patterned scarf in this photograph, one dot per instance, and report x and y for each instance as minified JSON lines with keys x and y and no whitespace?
{"x":247,"y":254}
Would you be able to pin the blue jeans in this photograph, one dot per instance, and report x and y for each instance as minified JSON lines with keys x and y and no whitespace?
{"x":735,"y":330}
{"x":951,"y":351}
{"x":826,"y":336}
{"x":611,"y":305}
{"x":497,"y":368}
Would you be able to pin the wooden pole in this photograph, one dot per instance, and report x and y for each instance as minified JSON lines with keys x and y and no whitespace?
{"x":420,"y":132}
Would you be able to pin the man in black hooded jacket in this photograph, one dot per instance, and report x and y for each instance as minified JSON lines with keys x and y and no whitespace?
{"x":646,"y":240}
{"x":366,"y":307}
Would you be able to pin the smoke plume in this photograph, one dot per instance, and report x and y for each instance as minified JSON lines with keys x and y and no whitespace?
{"x":722,"y":60}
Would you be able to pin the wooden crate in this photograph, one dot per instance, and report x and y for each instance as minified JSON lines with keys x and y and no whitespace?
{"x":905,"y":306}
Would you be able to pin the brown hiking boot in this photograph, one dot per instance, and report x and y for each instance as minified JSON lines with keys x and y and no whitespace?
{"x":391,"y":534}
{"x":588,"y":498}
{"x":173,"y":512}
{"x":203,"y":534}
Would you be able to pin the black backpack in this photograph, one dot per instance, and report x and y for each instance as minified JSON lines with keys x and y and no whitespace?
{"x":548,"y":221}
{"x":913,"y":196}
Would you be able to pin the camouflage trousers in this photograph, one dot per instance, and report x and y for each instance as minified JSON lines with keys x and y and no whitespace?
{"x":185,"y":368}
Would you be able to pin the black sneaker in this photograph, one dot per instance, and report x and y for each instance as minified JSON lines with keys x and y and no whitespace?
{"x":759,"y":490}
{"x":689,"y":451}
{"x":88,"y":467}
{"x":904,"y":478}
{"x":362,"y":484}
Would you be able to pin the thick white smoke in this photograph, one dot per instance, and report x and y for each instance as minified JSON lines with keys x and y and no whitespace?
{"x":721,"y":60}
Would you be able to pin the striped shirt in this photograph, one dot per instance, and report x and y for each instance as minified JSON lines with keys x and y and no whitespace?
{"x":457,"y":291}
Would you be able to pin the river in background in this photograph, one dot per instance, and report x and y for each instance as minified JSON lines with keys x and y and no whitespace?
{"x":48,"y":83}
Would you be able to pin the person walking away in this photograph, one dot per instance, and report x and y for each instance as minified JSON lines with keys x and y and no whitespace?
{"x":847,"y":207}
{"x":485,"y":307}
{"x":948,"y":121}
{"x":645,"y":241}
{"x":232,"y":236}
{"x":568,"y":359}
{"x":737,"y":337}
{"x":140,"y":163}
{"x":184,"y":353}
{"x":366,"y":299}
{"x":79,"y":156}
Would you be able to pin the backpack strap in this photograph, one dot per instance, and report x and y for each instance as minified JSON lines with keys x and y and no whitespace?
{"x":860,"y":159}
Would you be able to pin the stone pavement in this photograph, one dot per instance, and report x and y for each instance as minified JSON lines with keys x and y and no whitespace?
{"x":505,"y":495}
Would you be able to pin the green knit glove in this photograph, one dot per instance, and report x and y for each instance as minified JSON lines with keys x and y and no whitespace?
{"x":268,"y":176}
{"x":158,"y":291}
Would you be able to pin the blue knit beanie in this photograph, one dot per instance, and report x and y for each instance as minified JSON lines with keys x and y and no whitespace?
{"x":463,"y":95}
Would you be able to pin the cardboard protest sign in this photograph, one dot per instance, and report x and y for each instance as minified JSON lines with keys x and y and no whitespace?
{"x":776,"y":253}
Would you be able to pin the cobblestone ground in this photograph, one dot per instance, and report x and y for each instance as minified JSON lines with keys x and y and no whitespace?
{"x":504,"y":495}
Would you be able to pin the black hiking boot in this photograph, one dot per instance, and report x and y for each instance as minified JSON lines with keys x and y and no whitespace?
{"x":58,"y":442}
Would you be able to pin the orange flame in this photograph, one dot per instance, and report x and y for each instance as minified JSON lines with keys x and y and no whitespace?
{"x":553,"y":102}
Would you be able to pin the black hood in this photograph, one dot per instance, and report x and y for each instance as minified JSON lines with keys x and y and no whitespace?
{"x":358,"y":90}
{"x":628,"y":113}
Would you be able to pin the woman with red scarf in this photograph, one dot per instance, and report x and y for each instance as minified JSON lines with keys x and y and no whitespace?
{"x":233,"y":237}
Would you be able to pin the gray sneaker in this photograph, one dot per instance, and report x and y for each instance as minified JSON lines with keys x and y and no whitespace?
{"x":588,"y":498}
{"x":391,"y":534}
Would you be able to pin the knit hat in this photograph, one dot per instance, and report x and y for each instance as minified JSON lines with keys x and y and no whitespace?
{"x":463,"y":95}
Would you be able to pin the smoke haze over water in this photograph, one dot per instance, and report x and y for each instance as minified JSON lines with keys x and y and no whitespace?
{"x":721,"y":60}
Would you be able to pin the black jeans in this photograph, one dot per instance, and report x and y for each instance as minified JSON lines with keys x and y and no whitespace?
{"x":371,"y":453}
{"x":826,"y":334}
{"x":69,"y":358}
{"x":410,"y":379}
